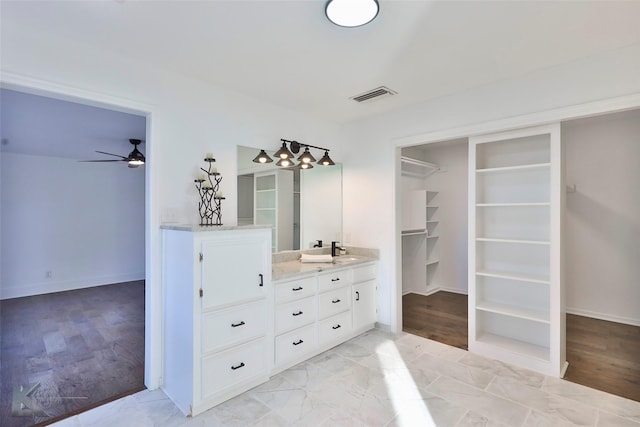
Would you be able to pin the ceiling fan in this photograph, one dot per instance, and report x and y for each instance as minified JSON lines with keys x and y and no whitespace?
{"x":135,"y":158}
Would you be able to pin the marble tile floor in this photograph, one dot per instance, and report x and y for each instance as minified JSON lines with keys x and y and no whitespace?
{"x":379,"y":379}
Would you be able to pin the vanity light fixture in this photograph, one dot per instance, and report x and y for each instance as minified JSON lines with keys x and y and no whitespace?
{"x":351,"y":13}
{"x":285,"y":163}
{"x":262,"y":157}
{"x":285,"y":156}
{"x":306,"y":157}
{"x":326,"y":160}
{"x":284,"y":152}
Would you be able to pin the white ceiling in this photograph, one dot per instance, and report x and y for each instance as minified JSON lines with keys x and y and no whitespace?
{"x":39,"y":126}
{"x":288,"y":53}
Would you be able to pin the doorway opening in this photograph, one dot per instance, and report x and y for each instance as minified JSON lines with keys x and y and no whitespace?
{"x":72,"y":303}
{"x":600,"y":239}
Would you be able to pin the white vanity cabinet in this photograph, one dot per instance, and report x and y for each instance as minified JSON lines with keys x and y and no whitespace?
{"x":217,"y":320}
{"x":363,"y":296}
{"x":334,"y":305}
{"x":321,"y":310}
{"x":296,"y":331}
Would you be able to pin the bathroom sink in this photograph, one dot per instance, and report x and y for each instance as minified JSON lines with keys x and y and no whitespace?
{"x":345,"y":259}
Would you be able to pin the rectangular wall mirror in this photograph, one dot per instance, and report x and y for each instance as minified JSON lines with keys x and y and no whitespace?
{"x":302,"y":206}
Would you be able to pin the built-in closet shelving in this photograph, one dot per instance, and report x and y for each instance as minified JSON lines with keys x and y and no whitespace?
{"x":273,"y":205}
{"x":515,"y":280}
{"x":420,"y":214}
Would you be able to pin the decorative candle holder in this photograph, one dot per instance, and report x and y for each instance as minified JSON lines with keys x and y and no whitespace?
{"x":208,"y":185}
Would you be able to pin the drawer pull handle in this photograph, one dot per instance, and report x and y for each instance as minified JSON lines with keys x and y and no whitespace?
{"x":336,"y":279}
{"x":335,"y":301}
{"x":336,"y":327}
{"x":237,"y":367}
{"x":357,"y":296}
{"x":297,"y":314}
{"x":261,"y":280}
{"x":298,"y":342}
{"x":235,"y":325}
{"x":299,"y":288}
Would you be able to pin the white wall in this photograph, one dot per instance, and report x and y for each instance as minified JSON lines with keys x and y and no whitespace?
{"x":369,"y":210}
{"x":83,"y":222}
{"x":602,"y":232}
{"x":188,"y":118}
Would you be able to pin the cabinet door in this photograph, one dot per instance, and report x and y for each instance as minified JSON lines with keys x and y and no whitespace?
{"x":364,"y":304}
{"x":235,"y":268}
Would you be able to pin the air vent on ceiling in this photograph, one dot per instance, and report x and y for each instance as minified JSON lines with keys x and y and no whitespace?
{"x":377,"y":93}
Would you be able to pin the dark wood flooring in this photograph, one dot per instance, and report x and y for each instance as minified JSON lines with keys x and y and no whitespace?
{"x":441,"y":317}
{"x":602,"y":355}
{"x":83,"y":347}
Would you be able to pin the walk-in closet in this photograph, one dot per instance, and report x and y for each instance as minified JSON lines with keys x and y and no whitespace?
{"x":530,"y":243}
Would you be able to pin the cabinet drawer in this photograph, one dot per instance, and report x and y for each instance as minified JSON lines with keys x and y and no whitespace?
{"x":295,"y":314}
{"x":296,"y":343}
{"x":232,"y":366}
{"x":364,"y":273}
{"x":295,"y":289}
{"x":334,"y":327}
{"x":233,"y":325}
{"x":334,"y":280}
{"x":334,"y":302}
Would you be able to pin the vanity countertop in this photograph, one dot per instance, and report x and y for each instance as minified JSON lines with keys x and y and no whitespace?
{"x":196,"y":227}
{"x":286,"y":270}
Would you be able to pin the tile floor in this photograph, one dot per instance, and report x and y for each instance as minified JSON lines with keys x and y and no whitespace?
{"x":378,"y":379}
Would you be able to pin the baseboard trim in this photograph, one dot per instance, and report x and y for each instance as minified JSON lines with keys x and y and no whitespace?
{"x":66,"y":285}
{"x":603,"y":316}
{"x":434,"y":290}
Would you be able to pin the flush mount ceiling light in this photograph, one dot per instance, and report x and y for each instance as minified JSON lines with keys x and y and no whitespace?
{"x":351,"y":13}
{"x":285,"y":156}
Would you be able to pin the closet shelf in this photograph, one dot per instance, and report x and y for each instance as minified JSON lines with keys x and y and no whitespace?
{"x":513,"y":311}
{"x":432,"y":261}
{"x":521,"y":277}
{"x":516,"y":346}
{"x":417,"y":168}
{"x":532,"y":166}
{"x":518,"y":241}
{"x":414,"y":232}
{"x":500,"y":205}
{"x":435,"y":236}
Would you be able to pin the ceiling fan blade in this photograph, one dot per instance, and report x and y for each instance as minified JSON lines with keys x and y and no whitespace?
{"x":99,"y":161}
{"x":111,"y":154}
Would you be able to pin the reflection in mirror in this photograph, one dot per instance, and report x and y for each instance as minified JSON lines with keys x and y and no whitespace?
{"x":302,"y":206}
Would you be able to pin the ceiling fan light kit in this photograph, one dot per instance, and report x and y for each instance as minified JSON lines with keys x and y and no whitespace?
{"x":134,"y":159}
{"x":285,"y":156}
{"x":208,"y":186}
{"x":351,"y":13}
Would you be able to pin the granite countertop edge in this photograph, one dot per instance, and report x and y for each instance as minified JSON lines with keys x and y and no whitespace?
{"x":197,"y":227}
{"x":291,"y":268}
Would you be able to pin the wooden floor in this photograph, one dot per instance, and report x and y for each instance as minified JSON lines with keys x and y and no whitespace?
{"x":440,"y":317}
{"x":604,"y":355}
{"x":82,"y":348}
{"x":601,"y":355}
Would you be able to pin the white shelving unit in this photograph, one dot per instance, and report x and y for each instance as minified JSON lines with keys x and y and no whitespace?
{"x":273,"y":205}
{"x":515,"y":277}
{"x":419,"y":225}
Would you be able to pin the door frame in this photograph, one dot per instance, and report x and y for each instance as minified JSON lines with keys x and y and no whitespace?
{"x":153,"y":290}
{"x":577,"y":111}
